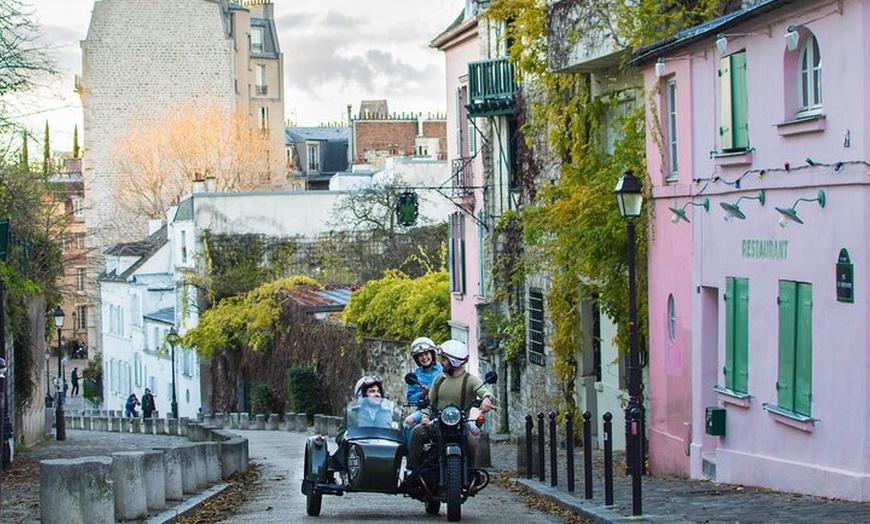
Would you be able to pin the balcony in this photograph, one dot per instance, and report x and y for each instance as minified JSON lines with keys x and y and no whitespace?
{"x":462,"y":176}
{"x":262,"y":89}
{"x":491,"y":88}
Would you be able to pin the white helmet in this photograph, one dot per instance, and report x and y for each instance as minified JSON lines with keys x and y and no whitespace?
{"x":359,"y":390}
{"x":422,"y":345}
{"x":456,"y":352}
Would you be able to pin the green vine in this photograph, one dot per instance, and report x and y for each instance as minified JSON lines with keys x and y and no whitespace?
{"x":571,"y":227}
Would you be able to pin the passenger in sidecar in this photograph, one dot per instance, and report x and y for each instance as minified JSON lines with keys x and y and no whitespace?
{"x":370,"y":449}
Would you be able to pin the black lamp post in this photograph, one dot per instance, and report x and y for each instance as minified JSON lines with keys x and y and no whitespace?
{"x":2,"y":389}
{"x":61,"y":423}
{"x":630,"y":200}
{"x":172,"y":338}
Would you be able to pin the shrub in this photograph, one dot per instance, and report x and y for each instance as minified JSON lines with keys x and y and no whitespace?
{"x":303,"y":390}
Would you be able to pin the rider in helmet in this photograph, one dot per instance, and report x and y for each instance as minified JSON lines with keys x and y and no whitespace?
{"x":368,"y":391}
{"x":425,"y":353}
{"x":458,"y":387}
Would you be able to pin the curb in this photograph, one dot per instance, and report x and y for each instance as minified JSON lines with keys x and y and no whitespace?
{"x":186,"y":507}
{"x":591,"y":511}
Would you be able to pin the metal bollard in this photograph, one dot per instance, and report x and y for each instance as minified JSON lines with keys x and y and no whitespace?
{"x":569,"y":448}
{"x":529,"y":425}
{"x":554,"y":459}
{"x":541,"y":474}
{"x":587,"y":453}
{"x":608,"y":459}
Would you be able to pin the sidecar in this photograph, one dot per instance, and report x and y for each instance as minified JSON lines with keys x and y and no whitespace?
{"x":369,"y":458}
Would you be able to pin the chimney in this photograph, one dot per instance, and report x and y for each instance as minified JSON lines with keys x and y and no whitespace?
{"x":210,"y":184}
{"x":198,"y":182}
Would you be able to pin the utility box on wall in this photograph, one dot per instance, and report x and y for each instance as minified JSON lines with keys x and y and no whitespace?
{"x":716,"y":421}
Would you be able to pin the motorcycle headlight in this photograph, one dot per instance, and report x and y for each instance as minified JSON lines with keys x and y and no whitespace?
{"x":451,"y":416}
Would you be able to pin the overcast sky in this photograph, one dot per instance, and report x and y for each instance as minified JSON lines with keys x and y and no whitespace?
{"x":336,"y":52}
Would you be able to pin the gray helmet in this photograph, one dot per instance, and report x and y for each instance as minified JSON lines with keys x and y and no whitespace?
{"x":422,"y":345}
{"x":359,"y":390}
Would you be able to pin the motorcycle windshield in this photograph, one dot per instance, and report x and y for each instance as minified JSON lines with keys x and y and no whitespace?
{"x":373,"y":413}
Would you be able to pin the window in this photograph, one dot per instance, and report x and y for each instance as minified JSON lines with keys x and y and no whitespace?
{"x":733,"y":103}
{"x":483,"y":249}
{"x":263,"y":120}
{"x":262,"y":89}
{"x":184,"y":247}
{"x":536,"y":326}
{"x":810,"y":76}
{"x":794,"y":382}
{"x":313,"y":158}
{"x":456,"y":253}
{"x":671,"y":108}
{"x":81,"y":319}
{"x":135,"y":311}
{"x":187,"y":363}
{"x":137,"y":369}
{"x":257,"y":40}
{"x":80,"y":279}
{"x":78,"y":205}
{"x":737,"y":334}
{"x":672,"y":319}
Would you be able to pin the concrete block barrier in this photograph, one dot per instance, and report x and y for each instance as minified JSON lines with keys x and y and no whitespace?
{"x":244,"y":421}
{"x":234,"y":456}
{"x":125,"y":425}
{"x":160,"y":426}
{"x":234,"y":420}
{"x":103,"y":423}
{"x":289,"y":421}
{"x":148,"y":426}
{"x":135,"y":425}
{"x":173,"y":489}
{"x":332,"y":425}
{"x":318,"y":424}
{"x":212,"y":462}
{"x":273,"y":421}
{"x":155,"y":480}
{"x":76,"y":491}
{"x":128,"y":476}
{"x":301,"y":422}
{"x":182,"y":426}
{"x":172,"y":426}
{"x":200,"y":465}
{"x":261,"y":421}
{"x":187,"y":453}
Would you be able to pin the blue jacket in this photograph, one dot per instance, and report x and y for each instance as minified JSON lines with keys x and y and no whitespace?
{"x":415,"y":392}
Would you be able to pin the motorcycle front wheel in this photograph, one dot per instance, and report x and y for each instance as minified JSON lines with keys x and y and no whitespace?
{"x":453,"y":483}
{"x":313,"y":498}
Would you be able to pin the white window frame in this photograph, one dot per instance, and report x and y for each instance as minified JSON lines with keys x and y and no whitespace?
{"x":261,"y":87}
{"x":257,"y":40}
{"x":81,"y":273}
{"x":671,"y":115}
{"x":313,"y":157}
{"x":263,"y":113}
{"x":809,"y":77}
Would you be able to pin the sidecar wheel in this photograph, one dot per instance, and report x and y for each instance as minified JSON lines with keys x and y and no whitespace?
{"x":313,"y":501}
{"x":453,"y":482}
{"x":433,"y":507}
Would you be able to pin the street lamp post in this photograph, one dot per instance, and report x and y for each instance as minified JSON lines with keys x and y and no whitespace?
{"x":2,"y":391}
{"x":172,"y":338}
{"x":630,"y":200}
{"x":58,"y":414}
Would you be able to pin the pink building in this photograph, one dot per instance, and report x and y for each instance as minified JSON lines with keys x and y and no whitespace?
{"x":758,"y":341}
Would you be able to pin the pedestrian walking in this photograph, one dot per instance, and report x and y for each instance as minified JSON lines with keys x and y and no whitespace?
{"x":147,"y":403}
{"x":74,"y":378}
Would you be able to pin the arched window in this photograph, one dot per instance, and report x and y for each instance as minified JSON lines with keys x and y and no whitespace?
{"x":810,"y":76}
{"x":672,"y":319}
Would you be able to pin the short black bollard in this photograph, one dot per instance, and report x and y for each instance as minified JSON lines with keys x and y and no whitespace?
{"x":608,"y":459}
{"x":529,"y":425}
{"x":554,"y":474}
{"x":587,"y":453}
{"x":569,"y":448}
{"x":541,"y":462}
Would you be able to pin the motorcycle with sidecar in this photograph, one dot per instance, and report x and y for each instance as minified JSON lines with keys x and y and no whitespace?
{"x":371,"y":456}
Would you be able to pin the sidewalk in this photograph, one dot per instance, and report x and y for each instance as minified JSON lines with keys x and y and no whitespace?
{"x":675,"y":500}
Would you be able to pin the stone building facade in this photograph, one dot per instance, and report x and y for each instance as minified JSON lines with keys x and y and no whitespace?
{"x":143,"y":57}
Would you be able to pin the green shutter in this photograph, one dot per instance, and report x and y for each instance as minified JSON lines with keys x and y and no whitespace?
{"x":739,"y":102}
{"x":803,"y":372}
{"x":729,"y":332}
{"x":451,"y":266}
{"x":787,"y":307}
{"x":741,"y":335}
{"x":725,"y":130}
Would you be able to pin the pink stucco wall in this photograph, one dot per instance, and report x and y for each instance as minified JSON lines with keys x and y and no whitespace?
{"x":692,"y":261}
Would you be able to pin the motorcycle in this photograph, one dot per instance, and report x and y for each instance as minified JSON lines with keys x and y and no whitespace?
{"x":373,"y":452}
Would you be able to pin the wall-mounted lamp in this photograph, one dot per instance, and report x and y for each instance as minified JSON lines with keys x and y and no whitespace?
{"x":660,"y":67}
{"x":733,"y":210}
{"x":679,"y":213}
{"x":789,"y":214}
{"x":791,"y":38}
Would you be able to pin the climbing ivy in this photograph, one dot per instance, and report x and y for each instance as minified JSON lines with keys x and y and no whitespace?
{"x":571,"y":227}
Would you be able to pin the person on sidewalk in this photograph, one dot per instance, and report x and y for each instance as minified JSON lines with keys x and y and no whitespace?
{"x":130,"y":406}
{"x":147,"y":404}
{"x":74,"y":378}
{"x":456,"y":386}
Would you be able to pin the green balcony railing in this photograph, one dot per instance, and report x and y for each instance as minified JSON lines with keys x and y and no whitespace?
{"x":491,"y":87}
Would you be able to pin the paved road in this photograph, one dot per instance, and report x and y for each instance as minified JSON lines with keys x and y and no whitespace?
{"x":281,"y":455}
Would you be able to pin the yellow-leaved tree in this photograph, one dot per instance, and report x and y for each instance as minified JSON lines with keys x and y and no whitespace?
{"x":163,"y":153}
